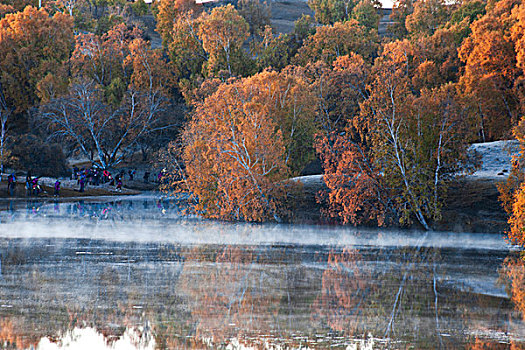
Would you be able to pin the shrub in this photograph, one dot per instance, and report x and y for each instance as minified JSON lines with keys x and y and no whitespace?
{"x":41,"y":157}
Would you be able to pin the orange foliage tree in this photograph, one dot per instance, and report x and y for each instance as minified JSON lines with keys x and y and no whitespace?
{"x":34,"y":47}
{"x":339,"y":39}
{"x":512,"y":191}
{"x":340,"y":89}
{"x":491,"y":71}
{"x":411,"y":146}
{"x":102,"y":59}
{"x":168,"y":13}
{"x":242,"y":144}
{"x":119,"y":96}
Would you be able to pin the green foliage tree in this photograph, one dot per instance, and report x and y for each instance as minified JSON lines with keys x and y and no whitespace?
{"x":140,"y":8}
{"x":331,"y":11}
{"x":272,"y":51}
{"x":185,"y":50}
{"x":223,"y":33}
{"x":366,"y":14}
{"x":400,"y":12}
{"x":256,"y":14}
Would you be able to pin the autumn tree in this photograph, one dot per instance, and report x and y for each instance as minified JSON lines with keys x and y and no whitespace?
{"x":517,"y":219}
{"x":234,"y":160}
{"x":19,"y":5}
{"x":223,"y":32}
{"x":435,"y":60}
{"x":491,"y":71}
{"x":5,"y":9}
{"x":340,"y":88}
{"x":355,"y":192}
{"x":512,"y":190}
{"x":120,"y":95}
{"x":412,"y":146}
{"x":242,"y":144}
{"x":518,"y":37}
{"x":34,"y":47}
{"x":417,"y":141}
{"x":332,"y":41}
{"x":427,"y":17}
{"x":151,"y":73}
{"x":168,"y":13}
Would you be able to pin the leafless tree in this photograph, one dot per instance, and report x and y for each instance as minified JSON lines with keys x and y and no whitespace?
{"x":93,"y":126}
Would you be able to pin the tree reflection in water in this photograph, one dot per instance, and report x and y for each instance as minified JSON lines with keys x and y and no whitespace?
{"x":210,"y":296}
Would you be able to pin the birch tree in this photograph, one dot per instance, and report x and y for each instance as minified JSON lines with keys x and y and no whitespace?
{"x":417,"y":142}
{"x":95,"y":128}
{"x":242,"y":144}
{"x":223,"y":32}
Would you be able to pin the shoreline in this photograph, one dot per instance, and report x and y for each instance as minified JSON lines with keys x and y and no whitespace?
{"x":472,"y":204}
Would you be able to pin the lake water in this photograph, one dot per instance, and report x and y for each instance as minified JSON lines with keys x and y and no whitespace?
{"x":134,"y":273}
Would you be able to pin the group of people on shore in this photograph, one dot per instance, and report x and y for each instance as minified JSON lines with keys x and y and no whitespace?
{"x":33,"y":188}
{"x":95,"y":177}
{"x":84,"y":176}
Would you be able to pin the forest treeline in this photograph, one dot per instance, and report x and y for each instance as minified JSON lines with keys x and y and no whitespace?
{"x":234,"y":110}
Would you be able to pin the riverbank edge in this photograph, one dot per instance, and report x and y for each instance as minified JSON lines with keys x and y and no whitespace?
{"x":471,"y":205}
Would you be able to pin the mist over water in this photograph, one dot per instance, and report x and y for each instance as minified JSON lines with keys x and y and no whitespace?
{"x":148,"y":219}
{"x":135,"y":272}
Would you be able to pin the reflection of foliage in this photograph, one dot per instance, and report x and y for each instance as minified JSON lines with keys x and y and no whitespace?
{"x":398,"y":302}
{"x":230,"y":299}
{"x":209,"y":296}
{"x":513,"y":273}
{"x":345,"y":288}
